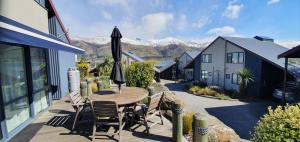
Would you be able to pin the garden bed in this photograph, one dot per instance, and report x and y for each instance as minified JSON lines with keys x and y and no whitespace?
{"x":215,"y":92}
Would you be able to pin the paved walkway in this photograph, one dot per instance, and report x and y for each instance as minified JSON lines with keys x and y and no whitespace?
{"x":54,"y":126}
{"x":240,"y":116}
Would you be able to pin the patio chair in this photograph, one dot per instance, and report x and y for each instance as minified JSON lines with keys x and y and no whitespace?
{"x":144,"y":112}
{"x":107,"y":113}
{"x":79,"y":104}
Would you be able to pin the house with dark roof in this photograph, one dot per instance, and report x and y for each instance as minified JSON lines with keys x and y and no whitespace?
{"x":35,"y":55}
{"x":220,"y":62}
{"x":163,"y":69}
{"x":186,"y":58}
{"x":166,"y":70}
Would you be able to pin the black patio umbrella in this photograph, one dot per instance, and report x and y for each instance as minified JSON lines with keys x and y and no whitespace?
{"x":116,"y":50}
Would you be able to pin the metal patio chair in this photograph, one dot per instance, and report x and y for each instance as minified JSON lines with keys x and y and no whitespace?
{"x":107,"y":113}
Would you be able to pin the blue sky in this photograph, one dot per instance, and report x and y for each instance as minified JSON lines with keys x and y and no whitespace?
{"x":184,"y":19}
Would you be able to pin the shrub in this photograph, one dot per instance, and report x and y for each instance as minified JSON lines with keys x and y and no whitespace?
{"x":281,"y":124}
{"x":216,"y":88}
{"x":83,"y":68}
{"x":207,"y":92}
{"x":187,"y":123}
{"x":104,"y":82}
{"x":201,"y":83}
{"x":139,"y":74}
{"x":194,"y":89}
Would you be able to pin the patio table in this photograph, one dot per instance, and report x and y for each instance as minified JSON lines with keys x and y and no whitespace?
{"x":128,"y":96}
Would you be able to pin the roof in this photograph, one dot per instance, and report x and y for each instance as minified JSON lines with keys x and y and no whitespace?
{"x":292,"y":53}
{"x":193,"y":54}
{"x":269,"y":51}
{"x":137,"y":58}
{"x":163,"y":65}
{"x":265,"y":49}
{"x":134,"y":57}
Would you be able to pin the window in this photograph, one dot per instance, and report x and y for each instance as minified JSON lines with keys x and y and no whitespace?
{"x":236,"y":79}
{"x":56,"y":29}
{"x":41,"y":2}
{"x":227,"y":76}
{"x":39,"y":79}
{"x":14,"y":85}
{"x":235,"y":57}
{"x":206,"y":58}
{"x":204,"y":74}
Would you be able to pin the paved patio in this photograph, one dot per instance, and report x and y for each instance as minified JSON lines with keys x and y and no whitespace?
{"x":54,"y":125}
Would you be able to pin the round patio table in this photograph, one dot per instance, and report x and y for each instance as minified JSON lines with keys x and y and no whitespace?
{"x":128,"y":96}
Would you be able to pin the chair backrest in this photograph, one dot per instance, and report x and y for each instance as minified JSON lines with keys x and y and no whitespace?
{"x":154,"y":101}
{"x":76,"y":98}
{"x":104,"y":108}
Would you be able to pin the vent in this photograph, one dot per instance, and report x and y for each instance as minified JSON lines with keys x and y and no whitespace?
{"x":264,"y":38}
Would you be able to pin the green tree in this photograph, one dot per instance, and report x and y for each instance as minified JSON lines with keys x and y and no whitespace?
{"x":139,"y":74}
{"x":246,"y":78}
{"x":105,"y":67}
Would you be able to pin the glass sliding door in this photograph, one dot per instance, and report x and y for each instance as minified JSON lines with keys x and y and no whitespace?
{"x":39,"y":79}
{"x":13,"y":85}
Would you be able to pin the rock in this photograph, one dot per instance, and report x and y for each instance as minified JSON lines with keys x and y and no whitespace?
{"x":219,"y":132}
{"x":169,"y":98}
{"x":157,"y":88}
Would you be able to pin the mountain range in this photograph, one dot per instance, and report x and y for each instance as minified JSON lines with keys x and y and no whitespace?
{"x":155,"y":49}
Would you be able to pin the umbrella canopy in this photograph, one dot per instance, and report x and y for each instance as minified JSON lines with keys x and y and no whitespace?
{"x":116,"y":49}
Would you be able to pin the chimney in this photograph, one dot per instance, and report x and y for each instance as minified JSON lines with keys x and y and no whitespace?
{"x":264,"y":38}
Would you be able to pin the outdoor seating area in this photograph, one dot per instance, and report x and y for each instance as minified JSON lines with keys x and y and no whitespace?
{"x":98,"y":120}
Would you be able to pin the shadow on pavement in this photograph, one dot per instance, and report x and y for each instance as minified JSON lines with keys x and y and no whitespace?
{"x":241,"y":118}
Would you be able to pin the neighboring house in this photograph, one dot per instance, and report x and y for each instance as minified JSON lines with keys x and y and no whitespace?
{"x":221,"y":61}
{"x":186,"y":58}
{"x":35,"y":55}
{"x":130,"y":57}
{"x":163,"y":70}
{"x":167,"y":70}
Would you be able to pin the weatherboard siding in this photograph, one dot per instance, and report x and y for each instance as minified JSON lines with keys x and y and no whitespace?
{"x":216,"y":67}
{"x":254,"y":64}
{"x":66,"y":61}
{"x":27,"y":12}
{"x":232,"y":68}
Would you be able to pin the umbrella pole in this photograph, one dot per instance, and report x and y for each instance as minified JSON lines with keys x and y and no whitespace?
{"x":119,"y":88}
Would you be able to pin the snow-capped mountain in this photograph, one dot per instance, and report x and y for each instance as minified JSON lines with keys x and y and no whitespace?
{"x":139,"y":41}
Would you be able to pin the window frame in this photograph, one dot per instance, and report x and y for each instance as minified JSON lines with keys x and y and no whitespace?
{"x":209,"y":58}
{"x":229,"y":57}
{"x":202,"y":76}
{"x":238,"y":79}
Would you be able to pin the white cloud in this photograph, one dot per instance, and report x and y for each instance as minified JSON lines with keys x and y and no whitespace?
{"x":233,"y":10}
{"x":289,"y":43}
{"x":201,"y":22}
{"x":273,"y":2}
{"x":106,"y":15}
{"x":226,"y":30}
{"x":182,"y":21}
{"x":153,"y":24}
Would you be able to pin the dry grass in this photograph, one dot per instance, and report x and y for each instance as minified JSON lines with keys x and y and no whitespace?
{"x":188,"y":123}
